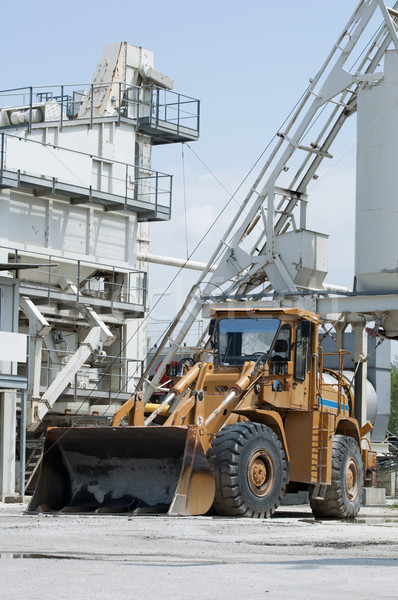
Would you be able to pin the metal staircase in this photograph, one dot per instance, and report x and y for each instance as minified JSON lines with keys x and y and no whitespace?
{"x":33,"y":462}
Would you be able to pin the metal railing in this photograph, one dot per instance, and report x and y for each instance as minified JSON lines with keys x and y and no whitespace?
{"x":169,"y":108}
{"x":104,"y":287}
{"x":340,"y":385}
{"x":90,"y":102}
{"x":98,"y":178}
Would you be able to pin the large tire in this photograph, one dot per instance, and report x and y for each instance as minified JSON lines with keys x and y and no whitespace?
{"x":343,"y":496}
{"x":250,"y":470}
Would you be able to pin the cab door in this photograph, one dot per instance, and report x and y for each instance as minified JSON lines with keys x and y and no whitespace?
{"x":302,"y":364}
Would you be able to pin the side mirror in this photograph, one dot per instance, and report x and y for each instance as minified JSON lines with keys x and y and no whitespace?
{"x":212,"y":327}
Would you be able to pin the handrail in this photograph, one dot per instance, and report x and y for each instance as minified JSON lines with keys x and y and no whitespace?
{"x":137,"y":184}
{"x":341,"y":403}
{"x":95,"y":156}
{"x":71,"y":100}
{"x":123,"y":290}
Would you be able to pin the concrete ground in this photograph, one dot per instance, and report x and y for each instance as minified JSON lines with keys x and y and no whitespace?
{"x":196,"y":558}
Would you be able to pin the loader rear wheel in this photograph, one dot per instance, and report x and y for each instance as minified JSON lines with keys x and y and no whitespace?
{"x":250,"y":469}
{"x":343,"y":495}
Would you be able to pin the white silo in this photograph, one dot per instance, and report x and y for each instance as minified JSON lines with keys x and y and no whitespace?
{"x":376,"y":239}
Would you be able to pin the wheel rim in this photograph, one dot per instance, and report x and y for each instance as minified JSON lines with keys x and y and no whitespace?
{"x":351,"y":479}
{"x":261,"y":473}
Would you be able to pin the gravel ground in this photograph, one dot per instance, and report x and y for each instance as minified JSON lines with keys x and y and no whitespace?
{"x":197,"y":558}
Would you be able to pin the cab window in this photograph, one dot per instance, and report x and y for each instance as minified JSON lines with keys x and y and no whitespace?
{"x":302,"y":350}
{"x":244,"y":339}
{"x":282,"y":346}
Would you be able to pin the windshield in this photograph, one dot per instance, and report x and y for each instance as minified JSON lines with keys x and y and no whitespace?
{"x":240,"y":340}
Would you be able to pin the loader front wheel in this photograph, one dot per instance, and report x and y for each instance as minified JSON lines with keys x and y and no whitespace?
{"x":343,"y":496}
{"x":250,"y":469}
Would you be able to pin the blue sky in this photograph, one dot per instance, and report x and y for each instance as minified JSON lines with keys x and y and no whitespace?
{"x":247,"y":63}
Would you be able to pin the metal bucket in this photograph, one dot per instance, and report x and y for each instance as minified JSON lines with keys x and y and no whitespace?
{"x":124,"y":469}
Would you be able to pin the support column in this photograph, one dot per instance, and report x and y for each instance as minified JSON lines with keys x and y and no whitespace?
{"x":361,"y":377}
{"x":340,"y":328}
{"x":8,"y":401}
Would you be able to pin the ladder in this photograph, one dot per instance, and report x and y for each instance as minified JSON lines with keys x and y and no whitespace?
{"x":245,"y":260}
{"x":34,"y":460}
{"x":320,"y":437}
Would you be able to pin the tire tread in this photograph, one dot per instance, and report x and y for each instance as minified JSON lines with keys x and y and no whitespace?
{"x":224,"y":456}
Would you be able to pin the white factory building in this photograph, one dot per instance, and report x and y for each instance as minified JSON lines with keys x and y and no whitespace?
{"x":77,"y":194}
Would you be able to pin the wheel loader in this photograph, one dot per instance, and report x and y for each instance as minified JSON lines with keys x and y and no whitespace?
{"x":233,"y":435}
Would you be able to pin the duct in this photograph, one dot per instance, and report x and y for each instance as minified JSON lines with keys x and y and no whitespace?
{"x":99,"y":333}
{"x":151,"y":75}
{"x":330,"y":287}
{"x":64,"y":377}
{"x":38,"y":329}
{"x":173,"y":262}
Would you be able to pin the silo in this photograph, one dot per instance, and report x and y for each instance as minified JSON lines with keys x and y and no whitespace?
{"x":376,"y":239}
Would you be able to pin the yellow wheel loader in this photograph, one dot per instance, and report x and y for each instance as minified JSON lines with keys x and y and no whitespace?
{"x":233,"y":435}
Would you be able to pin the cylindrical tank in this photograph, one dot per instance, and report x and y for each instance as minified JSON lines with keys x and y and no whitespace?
{"x":376,"y":239}
{"x":376,"y":227}
{"x":21,"y":117}
{"x":371,"y":395}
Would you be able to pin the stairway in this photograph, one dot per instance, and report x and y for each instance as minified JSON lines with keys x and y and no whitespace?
{"x":34,"y":461}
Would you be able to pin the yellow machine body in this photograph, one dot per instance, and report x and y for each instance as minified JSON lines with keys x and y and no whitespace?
{"x":267,"y":370}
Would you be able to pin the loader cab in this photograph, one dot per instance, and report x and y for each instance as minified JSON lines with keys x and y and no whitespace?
{"x":284,"y":341}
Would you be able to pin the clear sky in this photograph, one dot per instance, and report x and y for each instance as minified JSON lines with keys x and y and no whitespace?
{"x":247,"y":62}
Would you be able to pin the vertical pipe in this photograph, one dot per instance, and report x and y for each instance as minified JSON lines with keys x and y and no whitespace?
{"x":78,"y":283}
{"x":157,"y":107}
{"x":320,"y":349}
{"x":113,"y":287}
{"x":22,"y":445}
{"x":62,"y":108}
{"x":128,"y":290}
{"x":198,"y":116}
{"x":126,"y":185}
{"x":2,"y":157}
{"x":156,"y":193}
{"x":16,"y":260}
{"x":49,"y":280}
{"x":360,"y":388}
{"x":92,"y":106}
{"x":120,"y":103}
{"x":170,"y":195}
{"x":145,"y":289}
{"x":151,"y":105}
{"x":30,"y":109}
{"x":178,"y":113}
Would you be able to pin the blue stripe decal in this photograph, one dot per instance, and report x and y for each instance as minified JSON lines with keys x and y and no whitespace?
{"x":332,"y":404}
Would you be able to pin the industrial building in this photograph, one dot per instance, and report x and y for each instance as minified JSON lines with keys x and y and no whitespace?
{"x":77,"y":194}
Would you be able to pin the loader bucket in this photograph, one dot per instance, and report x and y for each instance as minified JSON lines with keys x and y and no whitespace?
{"x":124,"y":469}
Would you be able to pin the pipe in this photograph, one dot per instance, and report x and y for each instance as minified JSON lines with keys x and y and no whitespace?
{"x":155,"y":413}
{"x":173,"y":262}
{"x":21,"y":117}
{"x":22,"y":445}
{"x":329,"y":287}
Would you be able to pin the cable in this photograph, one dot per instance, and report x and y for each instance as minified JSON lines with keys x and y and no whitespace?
{"x":232,"y":198}
{"x":185,"y":199}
